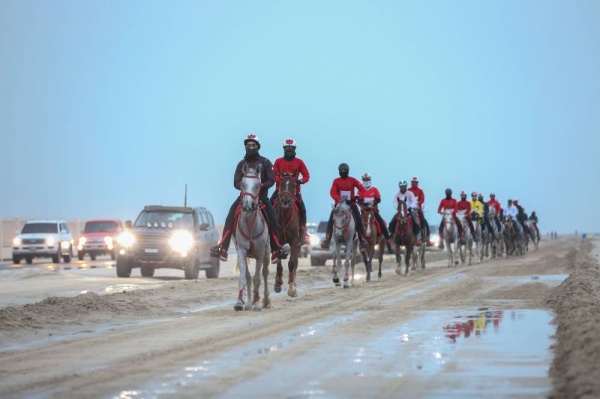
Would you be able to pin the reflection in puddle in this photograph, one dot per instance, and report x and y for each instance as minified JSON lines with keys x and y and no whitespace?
{"x":441,"y":354}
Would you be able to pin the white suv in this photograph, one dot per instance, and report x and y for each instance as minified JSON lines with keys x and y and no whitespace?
{"x":43,"y":239}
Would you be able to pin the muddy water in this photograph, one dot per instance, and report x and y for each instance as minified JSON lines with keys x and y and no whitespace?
{"x":439,"y":354}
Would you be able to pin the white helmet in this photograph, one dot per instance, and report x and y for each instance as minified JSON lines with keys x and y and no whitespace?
{"x":366,"y":176}
{"x":289,"y":143}
{"x":402,"y":183}
{"x":252,"y":137}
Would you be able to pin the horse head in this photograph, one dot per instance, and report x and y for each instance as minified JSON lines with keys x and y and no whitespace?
{"x":287,"y":190}
{"x":341,"y":216}
{"x":250,"y":188}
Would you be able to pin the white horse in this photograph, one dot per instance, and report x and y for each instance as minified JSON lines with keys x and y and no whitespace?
{"x":450,"y":236}
{"x":344,"y":235}
{"x":252,"y":241}
{"x":465,"y":237}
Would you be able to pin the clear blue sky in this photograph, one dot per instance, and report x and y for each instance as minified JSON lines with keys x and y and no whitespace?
{"x":107,"y":106}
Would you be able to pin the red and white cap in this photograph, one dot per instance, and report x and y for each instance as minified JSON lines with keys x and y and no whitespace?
{"x":415,"y":179}
{"x":252,"y":137}
{"x":289,"y":143}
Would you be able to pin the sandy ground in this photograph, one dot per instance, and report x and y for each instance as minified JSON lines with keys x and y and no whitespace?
{"x":116,"y":337}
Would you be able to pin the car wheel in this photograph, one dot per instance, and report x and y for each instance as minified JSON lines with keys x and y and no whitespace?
{"x":16,"y":260}
{"x":93,"y":256}
{"x":29,"y":260}
{"x":67,"y":258}
{"x":56,"y":256}
{"x":192,"y":270}
{"x":80,"y":255}
{"x":124,"y":266}
{"x":215,"y":267}
{"x":147,"y":271}
{"x":113,"y":255}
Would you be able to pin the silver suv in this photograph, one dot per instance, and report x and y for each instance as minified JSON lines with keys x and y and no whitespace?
{"x":173,"y":237}
{"x":43,"y":239}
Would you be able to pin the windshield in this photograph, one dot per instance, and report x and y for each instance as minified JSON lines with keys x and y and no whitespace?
{"x":100,"y":227}
{"x":40,"y":228}
{"x":165,"y":219}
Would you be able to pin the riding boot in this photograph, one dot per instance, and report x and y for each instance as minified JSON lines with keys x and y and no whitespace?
{"x":441,"y":244}
{"x":304,"y":235}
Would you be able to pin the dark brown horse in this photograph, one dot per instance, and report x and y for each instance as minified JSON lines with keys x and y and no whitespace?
{"x":373,"y":238}
{"x":403,"y":236}
{"x":288,"y":219}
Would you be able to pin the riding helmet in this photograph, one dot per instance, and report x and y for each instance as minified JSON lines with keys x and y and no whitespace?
{"x":289,"y":143}
{"x":253,"y":138}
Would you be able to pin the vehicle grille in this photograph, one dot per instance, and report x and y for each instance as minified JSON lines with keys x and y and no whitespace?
{"x":30,"y":241}
{"x":147,"y":244}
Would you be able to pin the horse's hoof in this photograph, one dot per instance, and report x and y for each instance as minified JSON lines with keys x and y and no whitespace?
{"x":277,"y":288}
{"x":337,"y":284}
{"x":238,"y":306}
{"x":292,"y":293}
{"x":336,"y":280}
{"x":346,"y":286}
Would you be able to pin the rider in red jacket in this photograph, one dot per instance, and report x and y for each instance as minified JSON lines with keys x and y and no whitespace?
{"x":420,"y":196}
{"x":464,"y":205}
{"x":293,"y":165}
{"x":372,"y":196}
{"x":494,"y":203}
{"x":447,"y":203}
{"x":343,"y":188}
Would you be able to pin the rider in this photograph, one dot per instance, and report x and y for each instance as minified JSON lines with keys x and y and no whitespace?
{"x":411,"y":205}
{"x":372,"y":196}
{"x":512,"y":212}
{"x":293,"y":165}
{"x":464,"y":205}
{"x":486,"y":220}
{"x":521,"y":215}
{"x":343,"y":188}
{"x":420,"y":195}
{"x":448,"y":204}
{"x":252,"y":159}
{"x":534,"y":219}
{"x":476,"y":206}
{"x":493,"y":202}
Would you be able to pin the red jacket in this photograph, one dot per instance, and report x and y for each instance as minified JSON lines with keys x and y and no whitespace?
{"x":296,"y":167}
{"x":373,"y":193}
{"x":348,"y":185}
{"x":466,"y":206}
{"x":419,"y":194}
{"x":496,"y":205}
{"x":448,"y":204}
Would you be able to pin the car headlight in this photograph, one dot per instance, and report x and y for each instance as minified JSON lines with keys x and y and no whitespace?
{"x":181,"y":241}
{"x":65,"y":244}
{"x":81,"y":242}
{"x":315,"y":240}
{"x":109,"y":242}
{"x":126,"y":239}
{"x":50,"y":241}
{"x":17,"y":241}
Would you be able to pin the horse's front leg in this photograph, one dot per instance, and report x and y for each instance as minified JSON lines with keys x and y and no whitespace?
{"x":266,"y":261}
{"x":347,"y":265}
{"x":408,"y":258}
{"x":243,"y":267}
{"x":337,"y":264}
{"x":278,"y":277}
{"x":293,"y":267}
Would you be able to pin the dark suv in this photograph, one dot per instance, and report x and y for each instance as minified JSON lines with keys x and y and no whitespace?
{"x":172,"y":237}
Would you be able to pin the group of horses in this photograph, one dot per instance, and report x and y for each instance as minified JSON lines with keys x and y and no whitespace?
{"x":252,"y":240}
{"x":507,"y":237}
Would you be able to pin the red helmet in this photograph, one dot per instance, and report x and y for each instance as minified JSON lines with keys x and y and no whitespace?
{"x":289,"y":143}
{"x":366,"y":176}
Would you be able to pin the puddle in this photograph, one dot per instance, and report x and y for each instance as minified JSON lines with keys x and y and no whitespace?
{"x":550,"y":279}
{"x":439,"y":354}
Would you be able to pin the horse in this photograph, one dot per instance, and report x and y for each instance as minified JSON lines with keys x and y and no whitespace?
{"x":288,"y":218}
{"x":465,"y":236}
{"x":372,"y":237}
{"x":251,"y":241}
{"x":533,"y":232}
{"x":403,"y":236}
{"x":450,"y":235}
{"x":418,"y":254}
{"x":493,"y":247}
{"x":476,"y":237}
{"x":514,"y":237}
{"x":344,"y":235}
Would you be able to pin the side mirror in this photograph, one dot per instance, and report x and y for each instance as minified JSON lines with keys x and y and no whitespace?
{"x":128,"y":224}
{"x":204,"y":227}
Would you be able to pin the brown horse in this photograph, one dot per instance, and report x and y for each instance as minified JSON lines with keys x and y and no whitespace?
{"x":372,"y":237}
{"x":288,"y":219}
{"x":403,"y":236}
